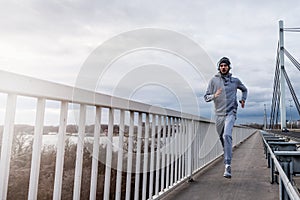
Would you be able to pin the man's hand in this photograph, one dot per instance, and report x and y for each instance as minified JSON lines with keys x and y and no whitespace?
{"x":242,"y":102}
{"x":218,"y":92}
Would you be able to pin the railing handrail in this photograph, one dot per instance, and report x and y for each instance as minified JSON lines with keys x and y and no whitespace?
{"x":33,"y":87}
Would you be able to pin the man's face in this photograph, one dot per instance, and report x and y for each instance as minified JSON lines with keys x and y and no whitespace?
{"x":224,"y":68}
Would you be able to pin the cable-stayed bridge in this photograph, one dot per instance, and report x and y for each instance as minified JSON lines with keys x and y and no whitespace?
{"x":280,"y":79}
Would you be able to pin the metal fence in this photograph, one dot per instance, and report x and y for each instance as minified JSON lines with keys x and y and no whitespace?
{"x":157,"y":148}
{"x":286,"y":186}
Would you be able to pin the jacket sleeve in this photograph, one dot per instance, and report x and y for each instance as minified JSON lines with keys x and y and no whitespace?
{"x":209,"y":95}
{"x":244,"y":90}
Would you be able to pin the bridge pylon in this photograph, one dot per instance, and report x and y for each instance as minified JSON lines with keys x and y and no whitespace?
{"x":282,"y":79}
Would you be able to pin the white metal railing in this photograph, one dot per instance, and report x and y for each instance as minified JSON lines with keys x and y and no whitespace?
{"x":167,"y":148}
{"x":284,"y":181}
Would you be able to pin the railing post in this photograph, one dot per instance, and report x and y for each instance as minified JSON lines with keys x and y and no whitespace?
{"x":157,"y":171}
{"x":189,"y":138}
{"x":187,"y":148}
{"x":59,"y":167}
{"x":79,"y":153}
{"x":172,"y":150}
{"x":95,"y":159}
{"x":168,"y":153}
{"x":176,"y":150}
{"x":196,"y":156}
{"x":146,"y":158}
{"x":129,"y":157}
{"x":36,"y":151}
{"x":195,"y":140}
{"x":180,"y":144}
{"x":138,"y":158}
{"x":152,"y":154}
{"x":163,"y":156}
{"x":7,"y":139}
{"x":120,"y":155}
{"x":108,"y":153}
{"x":286,"y":168}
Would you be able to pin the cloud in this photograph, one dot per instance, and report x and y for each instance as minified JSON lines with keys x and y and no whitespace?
{"x":52,"y":39}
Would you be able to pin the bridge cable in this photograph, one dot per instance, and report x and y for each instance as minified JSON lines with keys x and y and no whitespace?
{"x":276,"y":94}
{"x":291,"y":29}
{"x":271,"y":124}
{"x":277,"y":91}
{"x":277,"y":108}
{"x":292,"y":59}
{"x":276,"y":97}
{"x":292,"y":91}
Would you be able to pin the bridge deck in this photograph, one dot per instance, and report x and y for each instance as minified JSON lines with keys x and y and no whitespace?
{"x":250,"y":177}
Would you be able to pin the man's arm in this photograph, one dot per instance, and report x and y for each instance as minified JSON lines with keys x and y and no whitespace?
{"x":244,"y":90}
{"x":210,"y":94}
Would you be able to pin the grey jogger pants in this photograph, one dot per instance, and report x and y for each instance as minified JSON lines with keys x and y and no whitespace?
{"x":224,"y":126}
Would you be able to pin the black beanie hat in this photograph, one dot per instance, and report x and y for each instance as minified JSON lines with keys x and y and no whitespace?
{"x":224,"y":60}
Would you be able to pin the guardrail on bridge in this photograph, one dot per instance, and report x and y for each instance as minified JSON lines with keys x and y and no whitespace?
{"x":284,"y":157}
{"x":157,"y":148}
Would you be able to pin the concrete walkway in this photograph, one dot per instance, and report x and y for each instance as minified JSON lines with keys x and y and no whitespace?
{"x":250,"y":177}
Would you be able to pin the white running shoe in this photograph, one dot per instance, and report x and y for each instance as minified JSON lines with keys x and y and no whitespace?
{"x":227,"y":173}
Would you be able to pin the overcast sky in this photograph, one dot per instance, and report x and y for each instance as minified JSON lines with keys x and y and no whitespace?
{"x":52,"y":40}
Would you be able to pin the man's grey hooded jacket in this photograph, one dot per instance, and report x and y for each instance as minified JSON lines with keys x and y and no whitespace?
{"x":227,"y":101}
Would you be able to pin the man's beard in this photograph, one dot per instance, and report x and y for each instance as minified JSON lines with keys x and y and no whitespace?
{"x":224,"y":72}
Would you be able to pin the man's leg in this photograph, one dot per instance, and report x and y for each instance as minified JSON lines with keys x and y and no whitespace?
{"x":220,"y":120}
{"x":227,"y":136}
{"x":229,"y":122}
